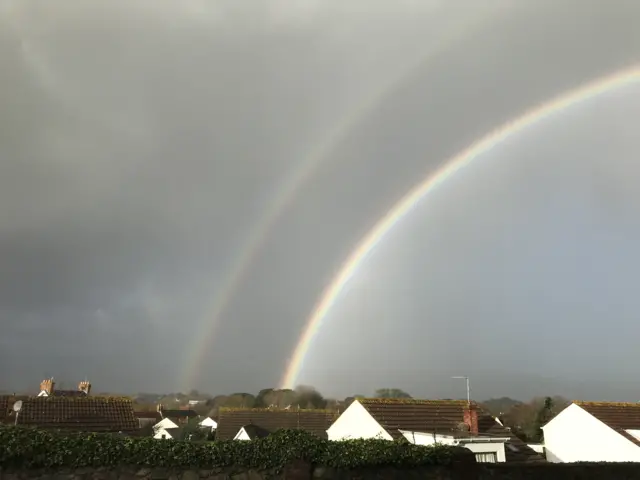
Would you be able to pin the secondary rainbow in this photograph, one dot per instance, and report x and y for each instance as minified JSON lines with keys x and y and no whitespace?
{"x":411,"y":199}
{"x":290,"y":188}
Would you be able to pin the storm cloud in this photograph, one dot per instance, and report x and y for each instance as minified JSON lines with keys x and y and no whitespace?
{"x":141,"y":141}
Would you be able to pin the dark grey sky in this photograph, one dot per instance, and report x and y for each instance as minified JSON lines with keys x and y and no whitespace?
{"x":141,"y":141}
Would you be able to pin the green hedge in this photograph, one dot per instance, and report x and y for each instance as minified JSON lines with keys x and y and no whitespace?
{"x":29,"y":448}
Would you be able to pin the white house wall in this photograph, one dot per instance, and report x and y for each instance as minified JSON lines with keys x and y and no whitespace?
{"x":242,"y":435}
{"x":423,"y":438}
{"x":209,"y":422}
{"x":162,"y":434}
{"x":536,"y":447}
{"x":576,"y":436}
{"x":488,"y":447}
{"x":356,"y":422}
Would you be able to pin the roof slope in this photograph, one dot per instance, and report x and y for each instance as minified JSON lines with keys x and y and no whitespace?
{"x":433,"y":416}
{"x":230,"y":421}
{"x":4,"y":408}
{"x":443,"y":417}
{"x":619,"y":416}
{"x":515,"y":449}
{"x":179,"y":413}
{"x":92,"y":414}
{"x":68,"y":393}
{"x":254,"y":431}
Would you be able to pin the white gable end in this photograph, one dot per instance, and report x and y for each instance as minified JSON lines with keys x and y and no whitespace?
{"x":242,"y":435}
{"x":356,"y":422}
{"x":164,"y":424}
{"x":162,"y":434}
{"x":575,"y":435}
{"x":209,"y":422}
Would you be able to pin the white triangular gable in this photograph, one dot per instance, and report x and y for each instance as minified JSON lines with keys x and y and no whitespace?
{"x":164,"y":424}
{"x":356,"y":422}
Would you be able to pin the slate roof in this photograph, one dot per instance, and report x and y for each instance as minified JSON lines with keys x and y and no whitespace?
{"x":618,"y":416}
{"x":150,"y":415}
{"x":174,"y":432}
{"x":179,"y":413}
{"x":515,"y":449}
{"x":230,"y":421}
{"x":91,"y":414}
{"x":255,"y":431}
{"x":443,"y":417}
{"x":68,"y":393}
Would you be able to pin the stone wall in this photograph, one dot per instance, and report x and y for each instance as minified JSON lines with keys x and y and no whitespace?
{"x":301,"y":471}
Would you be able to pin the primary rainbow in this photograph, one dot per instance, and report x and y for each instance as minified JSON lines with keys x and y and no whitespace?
{"x":289,"y":189}
{"x":411,"y":199}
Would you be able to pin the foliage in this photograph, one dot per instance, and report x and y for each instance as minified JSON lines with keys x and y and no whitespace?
{"x":29,"y":448}
{"x":526,"y":419}
{"x":544,"y":415}
{"x":194,"y":432}
{"x":391,"y":393}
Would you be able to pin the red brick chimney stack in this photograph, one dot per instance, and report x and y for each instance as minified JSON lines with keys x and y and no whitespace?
{"x":471,"y":418}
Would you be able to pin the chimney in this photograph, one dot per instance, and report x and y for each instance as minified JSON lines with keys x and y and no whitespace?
{"x":159,"y":409}
{"x":84,"y":387}
{"x":47,"y":386}
{"x":471,"y":418}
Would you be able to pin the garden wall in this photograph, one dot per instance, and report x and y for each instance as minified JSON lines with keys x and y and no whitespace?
{"x":301,"y":471}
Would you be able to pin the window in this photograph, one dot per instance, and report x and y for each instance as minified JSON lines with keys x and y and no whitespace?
{"x":487,"y":457}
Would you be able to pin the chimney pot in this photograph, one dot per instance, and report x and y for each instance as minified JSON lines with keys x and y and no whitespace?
{"x":47,"y":385}
{"x":84,"y":387}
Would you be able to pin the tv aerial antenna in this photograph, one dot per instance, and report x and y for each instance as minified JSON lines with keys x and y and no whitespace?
{"x":16,"y":408}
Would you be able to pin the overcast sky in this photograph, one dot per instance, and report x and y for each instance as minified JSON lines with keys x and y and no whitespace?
{"x":140,"y":142}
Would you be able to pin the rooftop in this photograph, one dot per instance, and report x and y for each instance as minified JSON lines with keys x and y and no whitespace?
{"x":230,"y":421}
{"x":93,"y":414}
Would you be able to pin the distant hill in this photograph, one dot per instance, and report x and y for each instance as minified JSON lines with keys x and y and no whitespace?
{"x":497,"y":406}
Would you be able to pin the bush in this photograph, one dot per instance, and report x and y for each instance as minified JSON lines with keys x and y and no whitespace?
{"x":29,"y":448}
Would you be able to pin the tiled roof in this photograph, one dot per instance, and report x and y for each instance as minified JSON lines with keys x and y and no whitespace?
{"x":150,"y":415}
{"x":230,"y":421}
{"x":4,"y":407}
{"x":433,"y":416}
{"x":68,"y":393}
{"x":619,"y":416}
{"x":93,"y":414}
{"x":442,"y":417}
{"x":179,"y":413}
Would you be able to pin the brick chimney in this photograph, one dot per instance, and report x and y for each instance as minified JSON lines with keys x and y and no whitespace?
{"x":47,"y":385}
{"x":471,"y":418}
{"x":84,"y":387}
